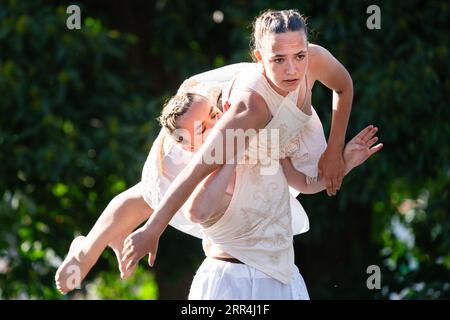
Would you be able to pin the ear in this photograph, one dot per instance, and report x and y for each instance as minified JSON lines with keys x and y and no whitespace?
{"x":257,"y":55}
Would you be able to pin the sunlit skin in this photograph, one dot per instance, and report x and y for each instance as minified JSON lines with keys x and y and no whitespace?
{"x":206,"y":205}
{"x":198,"y":122}
{"x":127,"y":210}
{"x":249,"y":111}
{"x":284,"y":58}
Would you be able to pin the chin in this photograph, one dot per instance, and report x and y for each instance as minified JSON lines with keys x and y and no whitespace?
{"x":287,"y":88}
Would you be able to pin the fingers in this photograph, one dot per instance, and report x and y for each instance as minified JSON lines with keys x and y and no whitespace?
{"x":130,"y":260}
{"x":336,"y":186}
{"x":363,"y":133}
{"x":367,"y":133}
{"x":375,"y":149}
{"x":127,"y":254}
{"x":333,"y":188}
{"x":333,"y":185}
{"x":151,"y":259}
{"x":130,"y":264}
{"x":329,"y":185}
{"x":339,"y":183}
{"x":370,"y":134}
{"x":126,"y":244}
{"x":371,"y":142}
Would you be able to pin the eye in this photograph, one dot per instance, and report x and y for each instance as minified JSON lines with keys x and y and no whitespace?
{"x":300,"y":57}
{"x":219,"y":99}
{"x":278,"y":60}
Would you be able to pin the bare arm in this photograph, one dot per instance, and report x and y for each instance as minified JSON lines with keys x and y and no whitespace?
{"x":297,"y":179}
{"x":207,"y":197}
{"x":356,"y":152}
{"x":249,"y":111}
{"x":329,"y":71}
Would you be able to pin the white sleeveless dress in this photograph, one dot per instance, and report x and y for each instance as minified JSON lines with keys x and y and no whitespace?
{"x":156,"y":179}
{"x":223,"y":280}
{"x":256,"y":228}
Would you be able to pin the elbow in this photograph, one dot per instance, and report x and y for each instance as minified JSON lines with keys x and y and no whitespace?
{"x":346,"y":86}
{"x":349,"y":84}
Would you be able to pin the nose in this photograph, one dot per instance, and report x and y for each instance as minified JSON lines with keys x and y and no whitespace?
{"x":215,"y":119}
{"x":290,"y":67}
{"x":210,"y":124}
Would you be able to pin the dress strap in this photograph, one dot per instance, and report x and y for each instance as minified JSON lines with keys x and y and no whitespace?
{"x":306,"y":93}
{"x":227,"y":104}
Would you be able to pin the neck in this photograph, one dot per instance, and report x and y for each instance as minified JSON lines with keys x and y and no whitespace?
{"x":281,"y":92}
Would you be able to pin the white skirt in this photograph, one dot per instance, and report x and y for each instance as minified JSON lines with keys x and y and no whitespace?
{"x":221,"y":280}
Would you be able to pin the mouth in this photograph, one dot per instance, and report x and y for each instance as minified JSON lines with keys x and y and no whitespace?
{"x":291,"y":81}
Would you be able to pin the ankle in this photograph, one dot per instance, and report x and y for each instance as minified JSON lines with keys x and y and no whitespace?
{"x":84,"y":254}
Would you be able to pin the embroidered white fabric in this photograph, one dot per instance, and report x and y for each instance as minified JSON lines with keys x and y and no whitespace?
{"x":155,"y":182}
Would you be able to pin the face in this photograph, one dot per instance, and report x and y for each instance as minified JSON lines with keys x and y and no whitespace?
{"x":284,"y":57}
{"x":197,"y":122}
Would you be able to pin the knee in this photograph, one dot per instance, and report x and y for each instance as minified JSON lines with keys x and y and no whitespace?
{"x":130,"y":202}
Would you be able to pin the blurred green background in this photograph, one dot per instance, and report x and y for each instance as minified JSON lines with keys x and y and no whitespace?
{"x":78,"y":111}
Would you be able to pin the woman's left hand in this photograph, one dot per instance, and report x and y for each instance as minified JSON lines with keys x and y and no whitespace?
{"x":360,"y":148}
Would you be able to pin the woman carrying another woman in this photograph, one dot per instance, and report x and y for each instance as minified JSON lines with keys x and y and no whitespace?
{"x":255,"y":229}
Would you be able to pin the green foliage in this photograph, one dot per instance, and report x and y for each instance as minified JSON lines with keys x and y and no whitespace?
{"x":142,"y":286}
{"x":74,"y":132}
{"x":78,"y":109}
{"x":400,"y":76}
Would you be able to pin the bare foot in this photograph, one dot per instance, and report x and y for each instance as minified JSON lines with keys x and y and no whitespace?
{"x":117,"y":246}
{"x":74,"y":268}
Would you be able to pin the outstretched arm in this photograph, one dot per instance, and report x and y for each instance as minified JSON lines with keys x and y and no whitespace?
{"x":356,"y":152}
{"x":329,"y":71}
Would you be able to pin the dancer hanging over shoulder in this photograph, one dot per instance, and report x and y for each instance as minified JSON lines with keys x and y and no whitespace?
{"x":206,"y":206}
{"x":275,"y":95}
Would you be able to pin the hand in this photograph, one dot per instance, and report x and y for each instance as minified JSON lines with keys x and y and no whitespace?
{"x":141,"y":242}
{"x":332,"y":169}
{"x":359,"y":149}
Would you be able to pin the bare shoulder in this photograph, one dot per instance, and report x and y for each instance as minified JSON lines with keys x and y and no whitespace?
{"x":251,"y":106}
{"x":318,"y":55}
{"x":321,"y":62}
{"x":317,"y":52}
{"x":255,"y":101}
{"x":251,"y":102}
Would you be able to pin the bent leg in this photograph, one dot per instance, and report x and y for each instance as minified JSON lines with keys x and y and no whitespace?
{"x":122,"y":215}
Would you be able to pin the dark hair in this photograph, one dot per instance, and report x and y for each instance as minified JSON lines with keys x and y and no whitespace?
{"x":271,"y":21}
